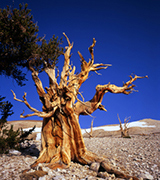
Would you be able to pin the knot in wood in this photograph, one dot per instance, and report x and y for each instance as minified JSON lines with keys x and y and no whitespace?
{"x":60,"y":92}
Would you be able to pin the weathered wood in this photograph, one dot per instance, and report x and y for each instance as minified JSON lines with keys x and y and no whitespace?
{"x":62,"y":139}
{"x":124,"y":130}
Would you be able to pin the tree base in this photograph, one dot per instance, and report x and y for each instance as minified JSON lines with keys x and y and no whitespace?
{"x":63,"y":143}
{"x":97,"y":164}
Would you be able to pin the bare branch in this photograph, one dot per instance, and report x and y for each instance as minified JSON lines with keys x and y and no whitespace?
{"x":101,"y":107}
{"x":89,"y":107}
{"x":24,"y":101}
{"x":66,"y":65}
{"x":100,"y":66}
{"x":67,"y":38}
{"x":90,"y":66}
{"x":37,"y":81}
{"x":124,"y":130}
{"x":127,"y":88}
{"x":120,"y":123}
{"x":91,"y":131}
{"x":36,"y":112}
{"x":91,"y":50}
{"x":51,"y":73}
{"x":39,"y":114}
{"x":81,"y":96}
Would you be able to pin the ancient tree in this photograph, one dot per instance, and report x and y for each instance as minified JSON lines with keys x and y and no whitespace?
{"x":61,"y":139}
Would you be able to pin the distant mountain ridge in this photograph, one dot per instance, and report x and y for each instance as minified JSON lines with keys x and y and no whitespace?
{"x":144,"y":126}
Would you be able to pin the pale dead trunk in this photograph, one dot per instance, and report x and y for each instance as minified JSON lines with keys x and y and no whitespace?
{"x":124,"y":129}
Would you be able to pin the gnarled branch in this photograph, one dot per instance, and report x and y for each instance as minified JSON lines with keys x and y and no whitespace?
{"x":95,"y":103}
{"x":64,"y":73}
{"x":45,"y":99}
{"x":36,"y":112}
{"x":127,"y":87}
{"x":90,"y":66}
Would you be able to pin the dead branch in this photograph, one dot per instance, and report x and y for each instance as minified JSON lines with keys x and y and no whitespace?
{"x":90,"y":66}
{"x":36,"y":112}
{"x":39,"y":114}
{"x":37,"y":81}
{"x":66,"y":65}
{"x":62,"y":139}
{"x":91,"y":131}
{"x":91,"y":50}
{"x":127,"y":88}
{"x":124,"y":130}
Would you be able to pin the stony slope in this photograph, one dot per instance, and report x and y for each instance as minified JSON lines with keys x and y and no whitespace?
{"x":139,"y":156}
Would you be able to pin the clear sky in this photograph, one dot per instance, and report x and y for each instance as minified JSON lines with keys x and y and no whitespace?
{"x":128,"y":37}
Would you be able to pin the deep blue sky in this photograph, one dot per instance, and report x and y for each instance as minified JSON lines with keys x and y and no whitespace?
{"x":128,"y":37}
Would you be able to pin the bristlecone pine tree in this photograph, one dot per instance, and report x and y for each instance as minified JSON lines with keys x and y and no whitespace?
{"x":62,"y":140}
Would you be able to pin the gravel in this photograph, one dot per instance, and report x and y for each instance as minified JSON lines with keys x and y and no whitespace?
{"x":138,"y":155}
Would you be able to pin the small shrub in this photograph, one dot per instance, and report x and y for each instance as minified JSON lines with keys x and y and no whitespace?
{"x":10,"y":139}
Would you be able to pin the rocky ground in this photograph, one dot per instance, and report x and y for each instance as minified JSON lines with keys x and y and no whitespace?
{"x":140,"y":156}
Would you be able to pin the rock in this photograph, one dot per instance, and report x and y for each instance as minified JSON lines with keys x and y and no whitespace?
{"x":145,"y":152}
{"x":44,"y":178}
{"x":146,"y":176}
{"x":103,"y":174}
{"x":31,"y":175}
{"x":95,"y":166}
{"x":113,"y":176}
{"x":60,"y":177}
{"x":14,"y":152}
{"x":51,"y":173}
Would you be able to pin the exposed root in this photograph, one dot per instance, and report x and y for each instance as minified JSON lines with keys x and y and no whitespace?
{"x":96,"y":163}
{"x":117,"y":173}
{"x":59,"y":165}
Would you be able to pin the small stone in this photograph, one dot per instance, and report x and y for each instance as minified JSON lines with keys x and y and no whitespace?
{"x":103,"y":174}
{"x":95,"y":166}
{"x":60,"y":177}
{"x":44,"y":168}
{"x":113,"y":176}
{"x":51,"y":173}
{"x":58,"y":170}
{"x":146,"y":176}
{"x":44,"y":178}
{"x":63,"y":171}
{"x":14,"y":152}
{"x":39,"y":166}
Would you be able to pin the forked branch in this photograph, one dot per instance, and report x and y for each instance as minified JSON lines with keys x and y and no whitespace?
{"x":35,"y":111}
{"x":44,"y":97}
{"x":95,"y":102}
{"x":68,"y":76}
{"x":90,"y":66}
{"x":127,"y":87}
{"x":124,"y":130}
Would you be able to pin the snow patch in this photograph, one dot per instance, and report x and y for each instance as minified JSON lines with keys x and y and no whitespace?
{"x":105,"y":128}
{"x":38,"y":136}
{"x":37,"y":130}
{"x":116,"y":127}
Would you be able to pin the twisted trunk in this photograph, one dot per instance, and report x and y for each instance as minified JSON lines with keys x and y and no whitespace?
{"x":62,"y":140}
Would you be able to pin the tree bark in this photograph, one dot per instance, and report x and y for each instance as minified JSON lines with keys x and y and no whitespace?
{"x":61,"y":137}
